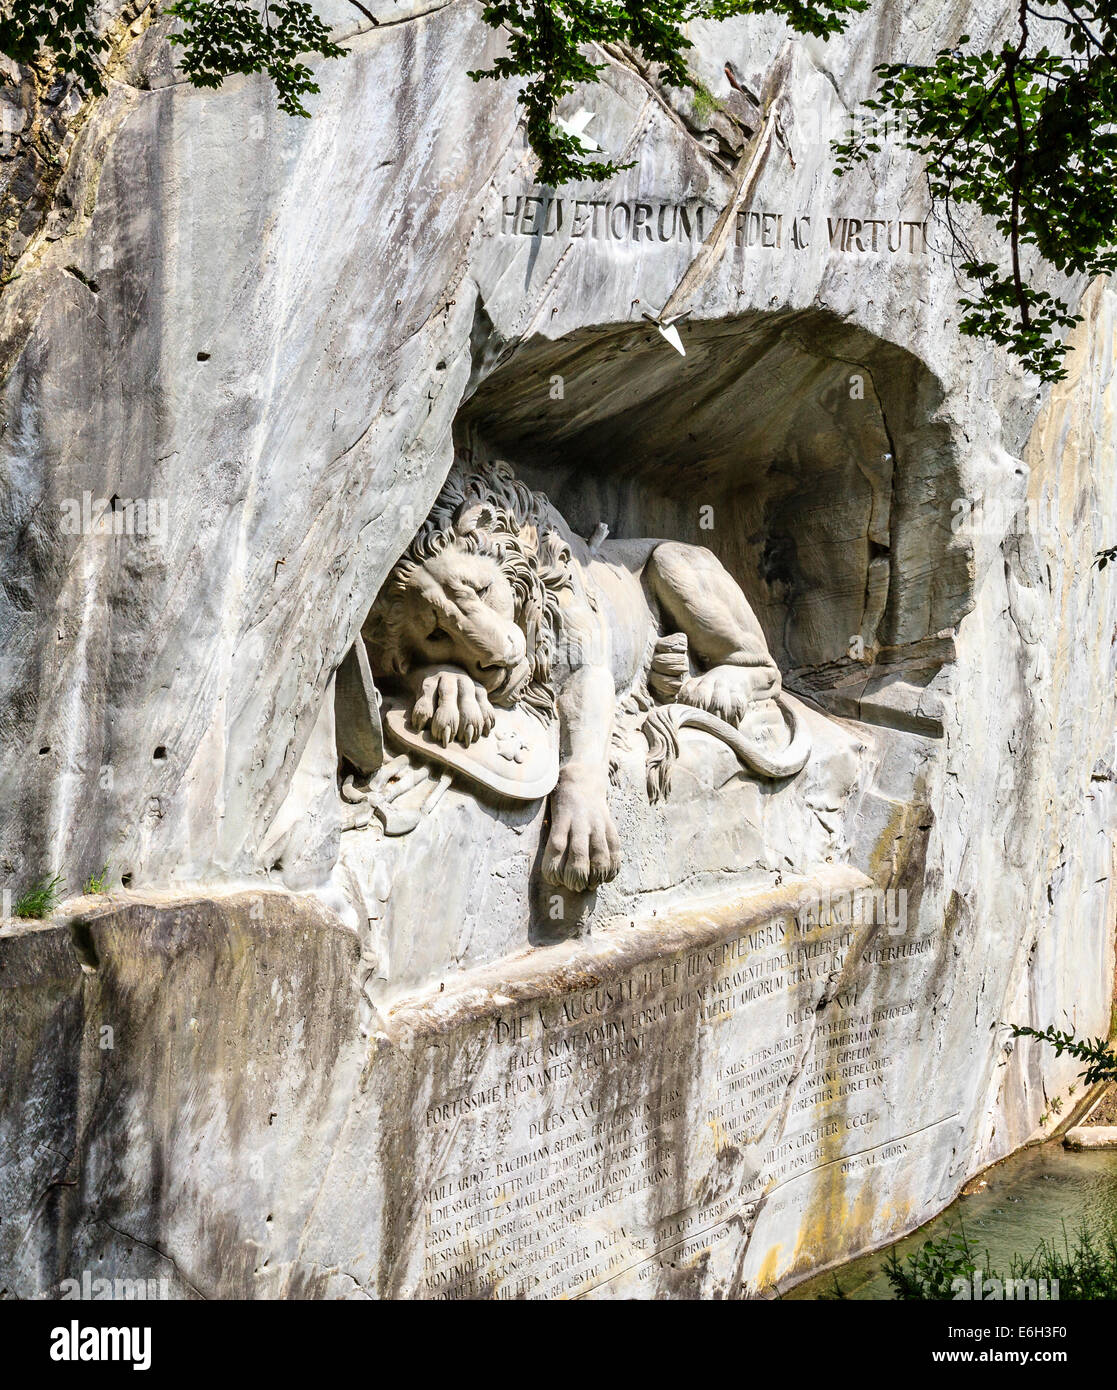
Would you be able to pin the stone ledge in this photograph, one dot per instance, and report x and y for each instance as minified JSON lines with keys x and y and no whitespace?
{"x":547,"y":971}
{"x":1091,"y":1137}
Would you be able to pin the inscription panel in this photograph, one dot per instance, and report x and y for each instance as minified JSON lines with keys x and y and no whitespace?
{"x":646,"y":224}
{"x":642,"y":1126}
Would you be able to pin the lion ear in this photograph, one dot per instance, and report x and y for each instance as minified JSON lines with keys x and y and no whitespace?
{"x":555,"y":554}
{"x":477,"y":516}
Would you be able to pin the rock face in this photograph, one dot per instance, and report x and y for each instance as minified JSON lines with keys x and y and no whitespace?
{"x":352,"y":1022}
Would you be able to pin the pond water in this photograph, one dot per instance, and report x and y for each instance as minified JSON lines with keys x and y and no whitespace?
{"x":1033,"y":1196}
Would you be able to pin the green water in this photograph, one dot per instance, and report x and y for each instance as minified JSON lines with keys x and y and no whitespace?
{"x":1031,"y":1197}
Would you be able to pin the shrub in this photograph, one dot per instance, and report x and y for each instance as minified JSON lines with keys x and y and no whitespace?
{"x":1086,"y":1270}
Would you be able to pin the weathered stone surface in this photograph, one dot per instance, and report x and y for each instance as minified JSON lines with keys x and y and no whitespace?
{"x":151,"y":1090}
{"x":275,"y":335}
{"x":1091,"y":1137}
{"x":674,"y":1108}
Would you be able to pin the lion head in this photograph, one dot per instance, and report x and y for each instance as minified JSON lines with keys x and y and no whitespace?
{"x":478,"y":588}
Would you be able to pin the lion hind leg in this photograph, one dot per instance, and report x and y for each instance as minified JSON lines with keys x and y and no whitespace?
{"x":706,"y":604}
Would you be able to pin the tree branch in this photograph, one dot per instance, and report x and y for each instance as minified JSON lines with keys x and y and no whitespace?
{"x":370,"y":17}
{"x":1011,"y":60}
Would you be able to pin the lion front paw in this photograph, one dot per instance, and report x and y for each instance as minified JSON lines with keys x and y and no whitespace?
{"x":453,"y":706}
{"x":583,"y":850}
{"x":730,"y":691}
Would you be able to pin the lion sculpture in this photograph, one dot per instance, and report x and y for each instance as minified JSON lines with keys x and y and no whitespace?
{"x":497,"y":603}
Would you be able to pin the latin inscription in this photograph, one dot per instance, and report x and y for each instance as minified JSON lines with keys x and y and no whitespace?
{"x":652,"y":223}
{"x":758,"y":1049}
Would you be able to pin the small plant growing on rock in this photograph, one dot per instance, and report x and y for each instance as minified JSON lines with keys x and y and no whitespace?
{"x":97,"y":883}
{"x":705,"y":103}
{"x":40,"y":899}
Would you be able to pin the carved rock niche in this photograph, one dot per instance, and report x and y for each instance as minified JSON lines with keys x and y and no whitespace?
{"x":804,"y":455}
{"x":804,"y":452}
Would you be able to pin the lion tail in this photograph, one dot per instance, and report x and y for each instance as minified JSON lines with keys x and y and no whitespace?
{"x":662,"y":734}
{"x":661,"y":729}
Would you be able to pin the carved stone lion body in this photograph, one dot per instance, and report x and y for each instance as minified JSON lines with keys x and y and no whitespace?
{"x":497,"y":603}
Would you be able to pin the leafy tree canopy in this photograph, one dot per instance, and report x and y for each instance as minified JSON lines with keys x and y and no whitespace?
{"x":218,"y":37}
{"x":66,"y":33}
{"x":1025,"y":134}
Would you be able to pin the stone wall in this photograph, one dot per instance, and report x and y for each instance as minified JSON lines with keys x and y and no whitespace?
{"x":273,"y":334}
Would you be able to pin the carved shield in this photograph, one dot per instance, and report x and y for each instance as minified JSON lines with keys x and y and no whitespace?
{"x":518,"y":759}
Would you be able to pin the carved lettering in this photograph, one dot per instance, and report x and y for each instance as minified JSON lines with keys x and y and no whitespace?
{"x":586,"y":1198}
{"x":650,"y":223}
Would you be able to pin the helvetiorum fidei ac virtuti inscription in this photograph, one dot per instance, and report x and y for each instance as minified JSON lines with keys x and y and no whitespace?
{"x":646,"y":225}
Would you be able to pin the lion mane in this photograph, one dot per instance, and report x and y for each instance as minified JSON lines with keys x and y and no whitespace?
{"x":484,"y":509}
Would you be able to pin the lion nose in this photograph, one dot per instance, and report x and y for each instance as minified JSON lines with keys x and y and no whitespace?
{"x":515,"y":648}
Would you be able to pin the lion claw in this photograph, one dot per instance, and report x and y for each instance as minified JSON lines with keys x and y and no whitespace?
{"x":453,"y":707}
